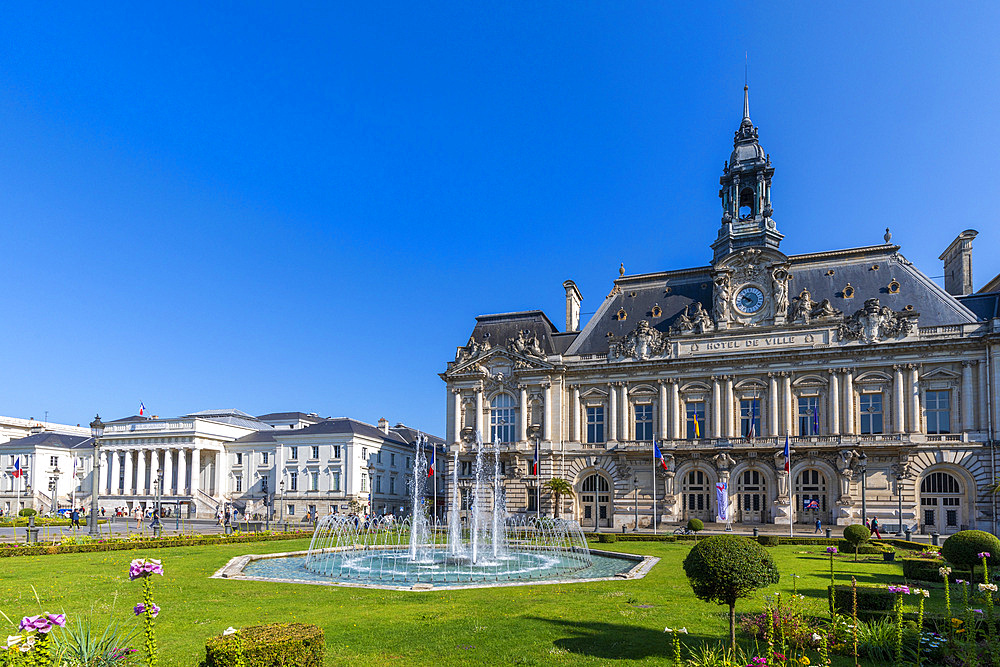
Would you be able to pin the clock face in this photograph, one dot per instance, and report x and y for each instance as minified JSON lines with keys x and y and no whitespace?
{"x":749,"y":300}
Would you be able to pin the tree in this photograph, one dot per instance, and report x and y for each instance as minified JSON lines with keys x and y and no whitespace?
{"x":856,"y":534}
{"x":963,"y":548}
{"x":724,"y":568}
{"x":559,"y":487}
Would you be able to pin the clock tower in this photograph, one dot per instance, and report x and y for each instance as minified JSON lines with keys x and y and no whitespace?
{"x":749,"y":273}
{"x":746,"y":193}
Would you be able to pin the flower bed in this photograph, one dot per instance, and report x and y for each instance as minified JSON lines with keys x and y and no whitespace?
{"x":139,"y":542}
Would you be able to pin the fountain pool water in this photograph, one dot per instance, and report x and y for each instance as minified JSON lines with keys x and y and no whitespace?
{"x":483,"y":547}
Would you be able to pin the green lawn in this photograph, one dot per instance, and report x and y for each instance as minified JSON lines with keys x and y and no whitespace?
{"x":578,"y":624}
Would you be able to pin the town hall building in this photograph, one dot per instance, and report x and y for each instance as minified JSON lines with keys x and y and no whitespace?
{"x":884,"y":383}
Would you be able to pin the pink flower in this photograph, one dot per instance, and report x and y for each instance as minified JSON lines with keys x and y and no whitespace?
{"x":984,"y":554}
{"x":43,"y":623}
{"x":144,"y":567}
{"x":831,"y":550}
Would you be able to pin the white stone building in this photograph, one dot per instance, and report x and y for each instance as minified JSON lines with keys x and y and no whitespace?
{"x":205,"y":460}
{"x":885,"y":384}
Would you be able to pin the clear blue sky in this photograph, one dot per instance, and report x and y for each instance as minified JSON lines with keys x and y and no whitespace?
{"x":304,"y":208}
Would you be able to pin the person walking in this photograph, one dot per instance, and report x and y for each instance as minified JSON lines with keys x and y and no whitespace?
{"x":138,"y":518}
{"x":819,"y":526}
{"x":873,"y":528}
{"x":74,"y":518}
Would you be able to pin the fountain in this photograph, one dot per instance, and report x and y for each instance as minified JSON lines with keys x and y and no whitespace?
{"x":490,"y":548}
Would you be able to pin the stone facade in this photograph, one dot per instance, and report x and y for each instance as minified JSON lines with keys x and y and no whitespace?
{"x":877,"y":377}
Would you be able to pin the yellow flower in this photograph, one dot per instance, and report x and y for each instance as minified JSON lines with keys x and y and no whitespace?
{"x":956,"y":622}
{"x":805,"y":660}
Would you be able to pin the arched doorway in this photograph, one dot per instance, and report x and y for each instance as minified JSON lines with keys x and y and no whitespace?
{"x":595,"y":502}
{"x":941,"y":502}
{"x":811,"y":497}
{"x":751,"y":497}
{"x":696,"y":496}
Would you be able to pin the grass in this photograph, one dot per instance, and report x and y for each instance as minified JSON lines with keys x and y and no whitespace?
{"x":575,"y":624}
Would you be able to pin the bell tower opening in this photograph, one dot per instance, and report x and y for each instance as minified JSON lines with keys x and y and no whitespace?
{"x":747,"y":208}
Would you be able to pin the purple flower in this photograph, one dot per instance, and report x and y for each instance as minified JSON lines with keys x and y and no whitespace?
{"x":140,"y":609}
{"x":42,"y":623}
{"x":984,"y":554}
{"x":144,"y":567}
{"x":899,"y":589}
{"x":977,"y":611}
{"x":831,"y":550}
{"x":58,"y":620}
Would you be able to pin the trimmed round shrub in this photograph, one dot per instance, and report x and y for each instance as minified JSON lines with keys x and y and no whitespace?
{"x":274,"y":645}
{"x":607,"y":538}
{"x":856,"y":533}
{"x":27,"y":511}
{"x":768,"y":540}
{"x":724,"y":568}
{"x":695,"y":525}
{"x":963,"y":548}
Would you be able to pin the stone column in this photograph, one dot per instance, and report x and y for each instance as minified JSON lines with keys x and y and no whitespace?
{"x":129,"y":488}
{"x":729,"y":406}
{"x":522,"y":424}
{"x":898,"y":400}
{"x":168,"y":472}
{"x":788,"y":400}
{"x":676,"y":412}
{"x":140,"y":472}
{"x":981,"y":402}
{"x":833,"y":393}
{"x":848,"y":401}
{"x":664,"y":425}
{"x":773,"y":428}
{"x":219,"y":476}
{"x":575,"y":416}
{"x":623,"y":414}
{"x":456,"y":426}
{"x":484,"y":429}
{"x":968,"y":417}
{"x":195,"y":471}
{"x":716,"y":430}
{"x":106,"y":488}
{"x":182,"y":468}
{"x":547,"y":412}
{"x":612,"y":413}
{"x":914,"y":399}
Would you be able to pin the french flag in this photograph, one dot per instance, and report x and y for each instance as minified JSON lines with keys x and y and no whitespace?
{"x":788,"y":455}
{"x":430,"y":466}
{"x":142,"y":408}
{"x":17,"y":468}
{"x":534,"y":463}
{"x":658,"y":455}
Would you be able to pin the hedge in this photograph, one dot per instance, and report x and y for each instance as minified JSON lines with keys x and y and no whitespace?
{"x":607,"y":538}
{"x":274,"y":645}
{"x":637,"y":537}
{"x":9,"y":550}
{"x":43,"y":522}
{"x":926,"y":569}
{"x":870,"y":598}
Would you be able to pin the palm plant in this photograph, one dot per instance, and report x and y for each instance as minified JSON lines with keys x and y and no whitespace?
{"x":559,"y":487}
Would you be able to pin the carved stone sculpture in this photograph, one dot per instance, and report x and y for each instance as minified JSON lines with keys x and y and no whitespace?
{"x":803,"y":307}
{"x":873,"y":323}
{"x":723,"y":461}
{"x":779,"y":283}
{"x":700,"y":318}
{"x":683,"y":324}
{"x":641,"y":343}
{"x":720,"y":307}
{"x":526,"y":342}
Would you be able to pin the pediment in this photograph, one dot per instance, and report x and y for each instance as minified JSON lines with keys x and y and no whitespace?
{"x":941,"y":374}
{"x":498,"y":360}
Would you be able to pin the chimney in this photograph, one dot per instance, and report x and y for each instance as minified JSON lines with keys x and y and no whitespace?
{"x":958,"y":264}
{"x":573,"y":299}
{"x":383,"y":425}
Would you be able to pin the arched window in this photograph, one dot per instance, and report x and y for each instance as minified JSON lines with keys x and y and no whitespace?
{"x":941,"y":501}
{"x":503,"y":418}
{"x":751,"y":496}
{"x":810,"y":496}
{"x":595,"y":502}
{"x":748,"y":203}
{"x":696,"y":496}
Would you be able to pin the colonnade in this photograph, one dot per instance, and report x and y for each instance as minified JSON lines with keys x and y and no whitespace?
{"x":133,"y":471}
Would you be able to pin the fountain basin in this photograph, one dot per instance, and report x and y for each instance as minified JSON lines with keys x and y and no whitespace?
{"x":290,"y":568}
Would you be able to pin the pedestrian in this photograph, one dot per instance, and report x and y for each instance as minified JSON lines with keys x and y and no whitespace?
{"x":74,"y":518}
{"x":102,"y":512}
{"x":819,"y":525}
{"x":874,"y":528}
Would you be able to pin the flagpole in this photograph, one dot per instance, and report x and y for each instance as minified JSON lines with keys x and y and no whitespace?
{"x":791,"y":494}
{"x":654,"y":488}
{"x":434,"y":479}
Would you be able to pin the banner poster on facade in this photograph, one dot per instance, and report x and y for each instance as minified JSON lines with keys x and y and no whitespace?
{"x":810,"y":504}
{"x":722,"y":501}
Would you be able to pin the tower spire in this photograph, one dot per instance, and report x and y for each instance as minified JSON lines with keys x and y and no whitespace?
{"x":746,"y":102}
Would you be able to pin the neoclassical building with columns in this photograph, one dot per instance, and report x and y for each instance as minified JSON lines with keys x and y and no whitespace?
{"x":884,"y":383}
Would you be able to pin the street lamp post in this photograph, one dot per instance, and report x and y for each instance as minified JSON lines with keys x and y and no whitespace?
{"x":281,"y":508}
{"x":268,"y":504}
{"x":96,"y":431}
{"x":635,"y":486}
{"x":54,"y":488}
{"x":863,"y":469}
{"x":899,"y":500}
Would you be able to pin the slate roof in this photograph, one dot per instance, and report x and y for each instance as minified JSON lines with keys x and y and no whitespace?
{"x":51,"y":439}
{"x":301,"y":416}
{"x":340,"y":425}
{"x":409,"y":434}
{"x":232,"y":417}
{"x":501,"y":327}
{"x":985,"y":306}
{"x":640,"y":293}
{"x":258,"y":437}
